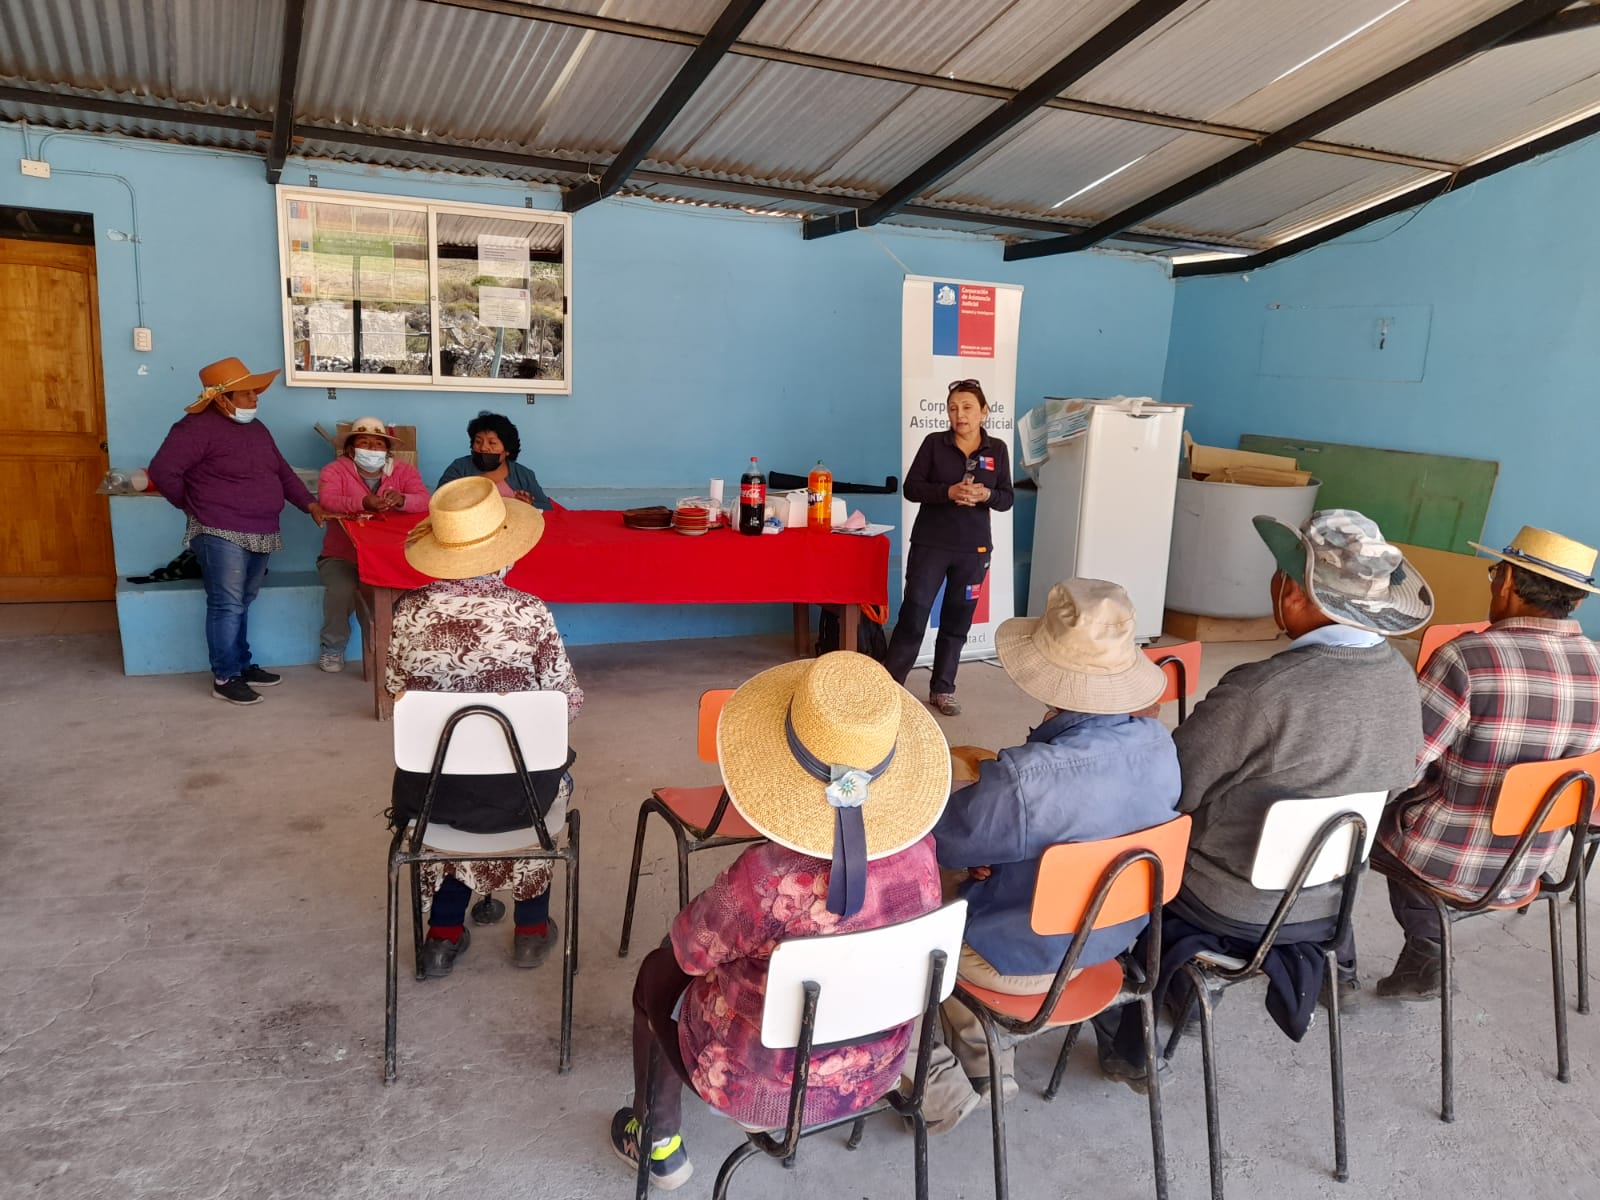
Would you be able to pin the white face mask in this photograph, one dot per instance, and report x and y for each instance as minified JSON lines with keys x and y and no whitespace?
{"x":243,"y":415}
{"x":371,"y":460}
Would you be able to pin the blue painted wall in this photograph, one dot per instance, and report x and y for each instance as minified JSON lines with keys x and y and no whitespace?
{"x":1503,"y":361}
{"x":700,"y":336}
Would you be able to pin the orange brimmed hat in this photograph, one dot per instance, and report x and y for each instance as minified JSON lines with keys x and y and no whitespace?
{"x":229,"y":375}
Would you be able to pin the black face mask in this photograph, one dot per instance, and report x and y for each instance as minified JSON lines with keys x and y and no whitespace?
{"x":486,"y":462}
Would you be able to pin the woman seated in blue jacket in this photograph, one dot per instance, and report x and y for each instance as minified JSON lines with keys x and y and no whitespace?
{"x":495,"y":446}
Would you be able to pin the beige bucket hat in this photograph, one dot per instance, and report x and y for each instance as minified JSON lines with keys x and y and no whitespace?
{"x":368,"y":426}
{"x":830,"y":757}
{"x":1549,"y":554}
{"x":1081,"y":655}
{"x":471,"y":530}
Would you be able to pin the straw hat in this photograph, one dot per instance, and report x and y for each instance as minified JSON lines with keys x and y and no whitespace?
{"x":1352,"y":575}
{"x":845,"y":713}
{"x":1549,"y":554}
{"x":229,"y":375}
{"x":471,"y":530}
{"x":1080,"y":656}
{"x":371,"y":427}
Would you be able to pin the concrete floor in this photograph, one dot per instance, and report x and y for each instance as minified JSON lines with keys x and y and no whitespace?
{"x":193,"y":1001}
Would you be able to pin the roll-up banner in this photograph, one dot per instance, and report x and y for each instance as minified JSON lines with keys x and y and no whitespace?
{"x":954,"y":329}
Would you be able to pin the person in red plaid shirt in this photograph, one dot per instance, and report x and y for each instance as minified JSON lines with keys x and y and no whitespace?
{"x":1527,"y":689}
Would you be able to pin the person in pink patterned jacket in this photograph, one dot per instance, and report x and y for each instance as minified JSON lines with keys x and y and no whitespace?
{"x":365,"y":478}
{"x":845,"y":774}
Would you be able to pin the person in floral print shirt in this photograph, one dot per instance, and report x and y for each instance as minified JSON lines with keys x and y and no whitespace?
{"x":469,"y":631}
{"x":840,"y":768}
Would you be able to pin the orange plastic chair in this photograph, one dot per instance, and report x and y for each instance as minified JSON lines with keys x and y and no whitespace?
{"x":700,"y":818}
{"x":1181,"y":665}
{"x":1083,"y":886}
{"x":1435,"y":636}
{"x":1534,"y":798}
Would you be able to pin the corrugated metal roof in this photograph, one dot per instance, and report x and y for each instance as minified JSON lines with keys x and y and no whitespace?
{"x":500,"y":81}
{"x":773,"y":121}
{"x":213,"y":52}
{"x":1225,"y":60}
{"x":1054,"y":154}
{"x":910,"y":35}
{"x":1297,"y":189}
{"x":1488,"y":103}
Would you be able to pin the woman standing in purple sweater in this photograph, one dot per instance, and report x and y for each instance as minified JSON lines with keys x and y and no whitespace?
{"x":226,"y":474}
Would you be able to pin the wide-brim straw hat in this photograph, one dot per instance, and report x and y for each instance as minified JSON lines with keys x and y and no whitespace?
{"x":229,"y":375}
{"x":368,"y":427}
{"x":846,"y":710}
{"x":1549,"y":554}
{"x":1081,"y":656}
{"x":472,"y":530}
{"x":1352,"y":575}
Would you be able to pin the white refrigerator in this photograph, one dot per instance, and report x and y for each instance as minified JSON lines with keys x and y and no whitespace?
{"x":1105,"y":506}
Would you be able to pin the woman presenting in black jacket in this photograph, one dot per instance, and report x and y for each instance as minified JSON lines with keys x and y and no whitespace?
{"x":958,"y":477}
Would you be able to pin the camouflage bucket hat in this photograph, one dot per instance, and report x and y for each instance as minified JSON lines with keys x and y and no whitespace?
{"x":1352,"y":575}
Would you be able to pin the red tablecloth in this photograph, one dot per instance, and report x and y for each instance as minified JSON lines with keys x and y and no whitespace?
{"x":589,"y":556}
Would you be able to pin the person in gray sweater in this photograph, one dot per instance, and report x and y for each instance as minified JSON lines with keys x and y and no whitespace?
{"x":1335,"y":713}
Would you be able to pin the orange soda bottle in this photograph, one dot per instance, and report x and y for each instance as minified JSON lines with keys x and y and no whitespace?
{"x":819,"y":498}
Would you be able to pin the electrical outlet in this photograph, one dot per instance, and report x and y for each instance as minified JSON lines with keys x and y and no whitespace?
{"x":142,"y":339}
{"x":36,"y":167}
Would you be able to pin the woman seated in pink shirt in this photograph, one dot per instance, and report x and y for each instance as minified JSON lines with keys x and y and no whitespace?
{"x":365,"y":478}
{"x":837,"y":766}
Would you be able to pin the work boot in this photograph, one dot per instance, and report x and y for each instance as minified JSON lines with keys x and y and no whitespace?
{"x":531,"y":949}
{"x":439,"y":954}
{"x":946,"y":703}
{"x":1416,"y":974}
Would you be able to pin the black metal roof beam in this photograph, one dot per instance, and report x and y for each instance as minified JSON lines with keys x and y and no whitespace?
{"x":548,"y":164}
{"x":968,"y":87}
{"x":1442,"y":57}
{"x":294,"y":28}
{"x":678,"y":93}
{"x":1106,"y":42}
{"x":1481,"y":169}
{"x":1566,"y":21}
{"x":43,"y":98}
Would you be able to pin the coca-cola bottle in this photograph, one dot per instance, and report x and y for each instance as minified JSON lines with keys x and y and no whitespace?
{"x":752,"y":499}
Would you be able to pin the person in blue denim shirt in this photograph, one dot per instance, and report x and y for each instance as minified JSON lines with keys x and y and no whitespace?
{"x":1098,"y":766}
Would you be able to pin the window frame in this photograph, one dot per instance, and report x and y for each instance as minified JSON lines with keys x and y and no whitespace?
{"x":431,"y":210}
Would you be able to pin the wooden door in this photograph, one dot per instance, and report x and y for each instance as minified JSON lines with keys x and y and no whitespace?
{"x":55,"y":536}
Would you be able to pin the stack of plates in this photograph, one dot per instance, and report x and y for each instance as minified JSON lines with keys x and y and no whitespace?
{"x":691,"y":517}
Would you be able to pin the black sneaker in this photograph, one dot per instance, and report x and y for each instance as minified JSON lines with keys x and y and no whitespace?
{"x":234,"y":691}
{"x":439,"y":954}
{"x":670,"y":1167}
{"x":256,"y":677}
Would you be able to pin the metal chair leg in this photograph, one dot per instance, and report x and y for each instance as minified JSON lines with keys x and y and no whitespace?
{"x":1447,"y":1071}
{"x":633,"y":879}
{"x":1061,"y":1061}
{"x":1158,"y":1138}
{"x":569,"y":945}
{"x":1341,"y":1160}
{"x":683,"y":867}
{"x":1208,"y":1059}
{"x":997,"y":1104}
{"x":732,"y":1163}
{"x":919,"y":1150}
{"x":856,"y":1131}
{"x":391,"y":1004}
{"x":1582,"y":920}
{"x":646,"y":1119}
{"x":416,"y":918}
{"x":1558,"y":978}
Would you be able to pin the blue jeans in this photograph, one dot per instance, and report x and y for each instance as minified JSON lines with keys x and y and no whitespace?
{"x":232,"y":577}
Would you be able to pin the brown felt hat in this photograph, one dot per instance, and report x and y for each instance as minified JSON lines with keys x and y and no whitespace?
{"x":229,"y":375}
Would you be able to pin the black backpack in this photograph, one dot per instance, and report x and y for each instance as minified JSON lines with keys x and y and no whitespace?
{"x":870,"y":639}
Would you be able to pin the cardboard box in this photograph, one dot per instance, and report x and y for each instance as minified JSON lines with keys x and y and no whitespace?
{"x":1260,"y":476}
{"x":1205,"y":461}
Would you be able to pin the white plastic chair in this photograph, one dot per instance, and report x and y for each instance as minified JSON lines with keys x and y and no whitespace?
{"x":842,"y":988}
{"x":1303,"y":843}
{"x":479,"y":733}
